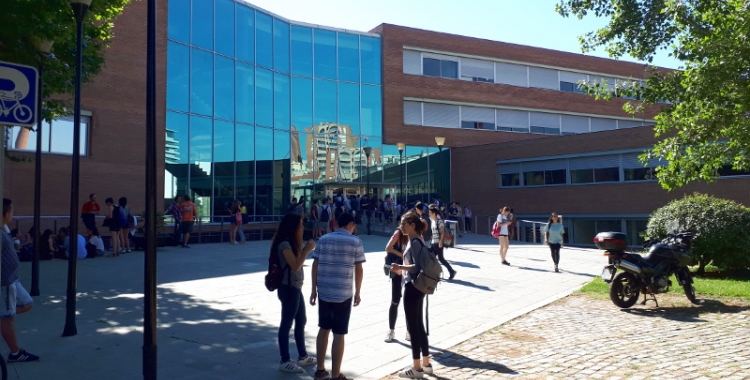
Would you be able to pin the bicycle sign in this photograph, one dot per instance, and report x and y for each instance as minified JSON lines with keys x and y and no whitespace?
{"x":18,"y":94}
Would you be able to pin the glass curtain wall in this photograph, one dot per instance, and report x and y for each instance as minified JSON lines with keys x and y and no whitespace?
{"x":260,"y":109}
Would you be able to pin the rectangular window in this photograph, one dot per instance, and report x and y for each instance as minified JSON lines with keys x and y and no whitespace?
{"x":431,"y":67}
{"x":607,"y":175}
{"x":582,"y":176}
{"x":202,"y":82}
{"x":203,"y":24}
{"x":178,"y":23}
{"x":571,"y":87}
{"x":302,"y":96}
{"x":245,"y":93}
{"x":449,"y":69}
{"x":555,"y":177}
{"x":348,"y":49}
{"x":512,"y":121}
{"x":264,"y":97}
{"x":281,"y":106}
{"x":325,"y":101}
{"x":372,"y":111}
{"x":178,"y":76}
{"x":348,"y":106}
{"x":440,"y":68}
{"x":281,"y":46}
{"x":325,"y":54}
{"x":370,"y":59}
{"x":477,"y":125}
{"x":57,"y":137}
{"x":224,"y":88}
{"x":477,"y":70}
{"x":245,"y":33}
{"x":639,"y":174}
{"x":301,"y":51}
{"x":543,"y":78}
{"x":264,"y":39}
{"x":534,"y":178}
{"x":224,"y":40}
{"x":412,"y":113}
{"x":510,"y":180}
{"x":727,"y":171}
{"x":511,"y":74}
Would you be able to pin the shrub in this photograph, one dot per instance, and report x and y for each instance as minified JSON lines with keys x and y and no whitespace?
{"x":722,"y":226}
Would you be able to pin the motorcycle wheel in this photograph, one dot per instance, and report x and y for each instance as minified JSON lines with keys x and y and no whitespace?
{"x":689,"y":288}
{"x":622,"y":291}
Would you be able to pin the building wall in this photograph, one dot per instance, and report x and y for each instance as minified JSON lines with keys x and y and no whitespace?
{"x":478,"y":186}
{"x":398,"y":86}
{"x":116,"y":99}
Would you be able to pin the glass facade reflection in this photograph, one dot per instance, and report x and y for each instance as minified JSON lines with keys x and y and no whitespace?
{"x":261,"y":109}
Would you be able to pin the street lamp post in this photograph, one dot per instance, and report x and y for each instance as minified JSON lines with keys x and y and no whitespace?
{"x":440,"y":141}
{"x":80,"y":7}
{"x":401,"y":147}
{"x":368,"y":150}
{"x":44,"y":47}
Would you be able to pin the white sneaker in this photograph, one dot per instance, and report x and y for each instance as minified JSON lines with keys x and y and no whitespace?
{"x":427,"y":369}
{"x":411,"y":373}
{"x":408,"y":337}
{"x":391,"y":335}
{"x":307,"y":360}
{"x":290,"y":366}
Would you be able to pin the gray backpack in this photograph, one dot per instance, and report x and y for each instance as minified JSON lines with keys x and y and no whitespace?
{"x":429,"y":276}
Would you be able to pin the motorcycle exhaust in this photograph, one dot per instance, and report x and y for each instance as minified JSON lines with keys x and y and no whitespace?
{"x":628,"y":266}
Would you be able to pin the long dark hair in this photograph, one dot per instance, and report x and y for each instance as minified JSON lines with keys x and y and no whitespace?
{"x":288,"y":231}
{"x":413,"y":218}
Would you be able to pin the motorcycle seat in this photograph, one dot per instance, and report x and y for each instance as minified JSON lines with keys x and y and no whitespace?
{"x":640,"y":260}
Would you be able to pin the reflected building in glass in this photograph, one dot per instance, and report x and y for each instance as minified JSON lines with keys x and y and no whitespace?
{"x":263,"y":109}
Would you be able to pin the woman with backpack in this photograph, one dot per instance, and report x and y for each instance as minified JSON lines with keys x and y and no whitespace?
{"x":395,"y":254}
{"x":291,"y":255}
{"x":125,"y":229}
{"x":113,"y":222}
{"x":413,"y":226}
{"x":438,"y":233}
{"x":503,"y":221}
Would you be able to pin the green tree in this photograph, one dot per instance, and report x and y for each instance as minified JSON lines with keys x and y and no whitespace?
{"x":25,"y":21}
{"x":704,"y":128}
{"x":722,"y":229}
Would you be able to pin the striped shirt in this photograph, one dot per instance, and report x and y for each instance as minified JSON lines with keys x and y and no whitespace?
{"x":337,"y":253}
{"x":436,"y":226}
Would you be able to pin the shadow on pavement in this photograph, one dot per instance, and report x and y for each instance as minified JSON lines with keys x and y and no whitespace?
{"x":688,"y":313}
{"x":471,"y":284}
{"x":452,"y":359}
{"x":464,"y":264}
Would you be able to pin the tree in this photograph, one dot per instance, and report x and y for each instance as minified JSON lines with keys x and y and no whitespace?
{"x":704,"y":127}
{"x":24,"y":21}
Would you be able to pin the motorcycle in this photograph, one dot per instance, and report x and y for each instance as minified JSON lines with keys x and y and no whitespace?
{"x":648,"y":274}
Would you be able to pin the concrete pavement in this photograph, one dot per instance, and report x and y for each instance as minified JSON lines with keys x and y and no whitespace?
{"x":217,"y":320}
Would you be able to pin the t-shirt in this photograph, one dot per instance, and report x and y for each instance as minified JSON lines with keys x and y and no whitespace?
{"x":435,"y":227}
{"x":452,"y":213}
{"x":555,"y":231}
{"x":298,"y":277}
{"x":188,"y":211}
{"x":467,"y":213}
{"x":97,"y":242}
{"x":337,"y":253}
{"x":89,"y":208}
{"x":314,"y":212}
{"x":81,"y":254}
{"x":503,"y":219}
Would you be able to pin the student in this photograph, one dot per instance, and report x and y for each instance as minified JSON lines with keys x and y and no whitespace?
{"x":16,"y":300}
{"x":175,"y":211}
{"x":95,"y":243}
{"x":125,"y":230}
{"x":438,"y":232}
{"x":504,"y":221}
{"x":467,"y":219}
{"x":554,"y":236}
{"x":338,"y":259}
{"x":412,"y":225}
{"x":395,"y":250}
{"x":315,"y":219}
{"x":287,"y":244}
{"x":89,"y":211}
{"x":189,"y":215}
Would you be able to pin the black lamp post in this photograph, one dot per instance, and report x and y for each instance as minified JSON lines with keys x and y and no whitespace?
{"x":80,"y":7}
{"x":440,"y":141}
{"x":368,"y":150}
{"x":401,"y":147}
{"x":149,"y":267}
{"x":44,"y":47}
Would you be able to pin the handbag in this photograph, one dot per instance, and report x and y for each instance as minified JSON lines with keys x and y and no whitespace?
{"x":388,"y":262}
{"x":496,"y":230}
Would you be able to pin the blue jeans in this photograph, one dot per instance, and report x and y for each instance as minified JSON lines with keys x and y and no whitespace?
{"x":292,"y":310}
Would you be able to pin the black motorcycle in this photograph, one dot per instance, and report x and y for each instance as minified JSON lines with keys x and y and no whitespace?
{"x":648,"y":274}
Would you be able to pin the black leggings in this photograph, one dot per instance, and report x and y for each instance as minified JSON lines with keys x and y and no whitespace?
{"x":413,"y":302}
{"x":555,"y":249}
{"x":441,"y":257}
{"x":467,"y":223}
{"x":395,"y":300}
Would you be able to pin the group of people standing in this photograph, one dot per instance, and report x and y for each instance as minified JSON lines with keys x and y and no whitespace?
{"x":185,"y":213}
{"x":553,"y":234}
{"x":118,"y":218}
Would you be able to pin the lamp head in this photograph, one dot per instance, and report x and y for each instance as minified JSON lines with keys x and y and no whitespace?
{"x":44,"y":46}
{"x":82,"y":2}
{"x":368,"y":150}
{"x":401,"y":146}
{"x":80,"y":7}
{"x":440,"y":141}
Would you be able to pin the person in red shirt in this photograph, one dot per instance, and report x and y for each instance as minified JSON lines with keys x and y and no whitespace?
{"x":189,"y":214}
{"x":89,"y":212}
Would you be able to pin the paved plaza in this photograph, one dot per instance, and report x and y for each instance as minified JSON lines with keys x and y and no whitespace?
{"x":217,"y":320}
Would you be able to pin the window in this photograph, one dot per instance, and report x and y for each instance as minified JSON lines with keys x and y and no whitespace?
{"x":178,"y":25}
{"x":370,"y":56}
{"x":571,"y":87}
{"x":477,"y":70}
{"x":224,"y":39}
{"x":348,"y":106}
{"x":348,"y":54}
{"x":440,"y":68}
{"x":595,"y":175}
{"x":478,"y":118}
{"x":264,"y":39}
{"x":263,"y":97}
{"x":281,"y":46}
{"x":224,"y":88}
{"x":728,"y":171}
{"x":545,"y":123}
{"x":57,"y":137}
{"x":512,"y":121}
{"x":245,"y":33}
{"x":371,"y":112}
{"x":510,"y":180}
{"x":477,"y":125}
{"x":203,"y":24}
{"x":178,"y":74}
{"x":640,"y":174}
{"x":202,"y":82}
{"x":582,"y":176}
{"x":281,"y":102}
{"x":245,"y":93}
{"x":301,"y":51}
{"x":543,"y":78}
{"x":325,"y":54}
{"x":545,"y":177}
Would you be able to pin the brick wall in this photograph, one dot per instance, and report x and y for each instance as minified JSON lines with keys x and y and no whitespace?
{"x":117,"y":133}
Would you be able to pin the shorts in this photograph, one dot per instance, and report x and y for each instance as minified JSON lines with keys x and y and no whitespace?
{"x":322,"y":225}
{"x":334,"y":316}
{"x":186,"y":227}
{"x":388,"y":215}
{"x":13,"y":296}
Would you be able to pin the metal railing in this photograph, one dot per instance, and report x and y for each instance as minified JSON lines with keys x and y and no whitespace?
{"x":527,"y":231}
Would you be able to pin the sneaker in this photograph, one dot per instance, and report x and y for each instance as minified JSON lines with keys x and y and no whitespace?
{"x":506,"y":263}
{"x":187,"y":246}
{"x":290,"y":366}
{"x":307,"y":360}
{"x":427,"y":369}
{"x":322,"y":375}
{"x":411,"y":373}
{"x":127,"y":251}
{"x":453,"y":274}
{"x":391,"y":335}
{"x":22,"y":356}
{"x":341,"y":377}
{"x":408,"y":337}
{"x":557,"y":270}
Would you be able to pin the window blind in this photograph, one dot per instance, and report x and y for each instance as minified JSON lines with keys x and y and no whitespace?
{"x":508,"y":73}
{"x":512,"y":119}
{"x":535,"y":166}
{"x":599,"y":124}
{"x":485,"y":115}
{"x":622,"y":124}
{"x":510,"y":168}
{"x":412,"y":62}
{"x":630,"y":161}
{"x":541,"y":119}
{"x":567,"y":76}
{"x":476,"y":68}
{"x":441,"y":115}
{"x":599,"y":162}
{"x":543,"y":78}
{"x":574,"y":124}
{"x":412,"y":113}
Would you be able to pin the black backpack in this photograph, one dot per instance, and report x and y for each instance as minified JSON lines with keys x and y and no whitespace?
{"x":275,"y":274}
{"x":325,"y":214}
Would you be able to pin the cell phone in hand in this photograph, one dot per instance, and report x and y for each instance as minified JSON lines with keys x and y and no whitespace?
{"x":387,"y":266}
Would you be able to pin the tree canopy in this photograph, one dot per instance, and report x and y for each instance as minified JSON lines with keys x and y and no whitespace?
{"x":703,"y":129}
{"x":26,"y":21}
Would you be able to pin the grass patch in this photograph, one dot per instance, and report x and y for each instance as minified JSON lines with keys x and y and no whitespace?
{"x":714,"y":283}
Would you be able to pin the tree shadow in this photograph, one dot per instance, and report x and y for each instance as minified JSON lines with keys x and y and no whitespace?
{"x":690,"y":313}
{"x":452,"y":359}
{"x":470,"y":284}
{"x":464,"y":264}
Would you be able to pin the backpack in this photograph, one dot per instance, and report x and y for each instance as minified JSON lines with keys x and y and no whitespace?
{"x":325,"y":215}
{"x":496,"y":230}
{"x":275,"y":274}
{"x":119,"y":216}
{"x":427,"y":279}
{"x":447,"y":235}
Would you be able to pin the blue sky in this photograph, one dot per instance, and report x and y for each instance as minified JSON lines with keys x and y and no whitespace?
{"x":526,"y":22}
